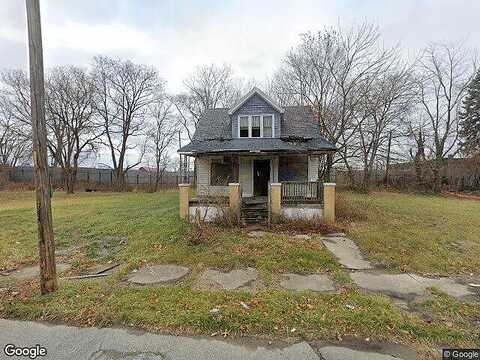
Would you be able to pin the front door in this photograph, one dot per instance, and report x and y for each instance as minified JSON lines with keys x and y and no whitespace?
{"x":261,"y":176}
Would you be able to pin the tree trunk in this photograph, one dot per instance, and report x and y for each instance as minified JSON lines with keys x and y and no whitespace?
{"x":157,"y":178}
{"x":387,"y":165}
{"x":328,"y":168}
{"x":437,"y":179}
{"x":119,"y":180}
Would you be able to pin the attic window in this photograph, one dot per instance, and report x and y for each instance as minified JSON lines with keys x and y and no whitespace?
{"x":267,"y":126}
{"x":243,"y":126}
{"x":255,"y":126}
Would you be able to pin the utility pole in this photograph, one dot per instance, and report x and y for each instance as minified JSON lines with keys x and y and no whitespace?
{"x":46,"y":243}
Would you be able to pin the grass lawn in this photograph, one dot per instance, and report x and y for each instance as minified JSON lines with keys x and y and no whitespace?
{"x":156,"y":235}
{"x":419,"y":233}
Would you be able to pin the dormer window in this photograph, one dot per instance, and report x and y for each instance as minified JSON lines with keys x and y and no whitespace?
{"x":255,"y":126}
{"x":244,"y":127}
{"x":267,"y":126}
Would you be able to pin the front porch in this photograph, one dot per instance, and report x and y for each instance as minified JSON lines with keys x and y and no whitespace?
{"x":299,"y":173}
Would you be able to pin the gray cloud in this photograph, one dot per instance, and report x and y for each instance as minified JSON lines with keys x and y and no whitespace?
{"x":252,"y":36}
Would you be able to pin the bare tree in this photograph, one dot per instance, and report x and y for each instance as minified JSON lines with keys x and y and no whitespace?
{"x":73,"y":132}
{"x":15,"y":145}
{"x":124,"y":91}
{"x":15,"y":116}
{"x":332,"y":71}
{"x":208,"y":87}
{"x":15,"y":91}
{"x":386,"y":106}
{"x":444,"y":72}
{"x":160,"y":136}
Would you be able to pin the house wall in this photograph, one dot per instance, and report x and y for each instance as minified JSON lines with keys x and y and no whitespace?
{"x":203,"y":179}
{"x":255,"y":106}
{"x":282,"y":168}
{"x":206,"y":213}
{"x":313,"y":164}
{"x":302,"y":211}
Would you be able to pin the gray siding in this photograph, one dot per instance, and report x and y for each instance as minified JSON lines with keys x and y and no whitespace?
{"x":313,"y":165}
{"x":253,"y":106}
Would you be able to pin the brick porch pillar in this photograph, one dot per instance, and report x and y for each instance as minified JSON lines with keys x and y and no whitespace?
{"x":234,"y":198}
{"x":183,"y":206}
{"x":276,"y":199}
{"x":329,"y":202}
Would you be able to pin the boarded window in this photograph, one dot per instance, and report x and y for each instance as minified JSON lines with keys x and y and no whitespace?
{"x":243,"y":126}
{"x":293,"y":168}
{"x":222,"y":172}
{"x":267,"y":126}
{"x":255,"y":126}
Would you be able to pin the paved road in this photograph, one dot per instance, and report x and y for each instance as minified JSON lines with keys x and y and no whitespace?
{"x":68,"y":342}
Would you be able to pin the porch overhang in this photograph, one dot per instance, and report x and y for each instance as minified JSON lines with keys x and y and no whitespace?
{"x":255,"y":152}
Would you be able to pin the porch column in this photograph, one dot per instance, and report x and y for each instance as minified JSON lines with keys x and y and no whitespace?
{"x":183,"y":206}
{"x":234,"y":198}
{"x":276,"y":199}
{"x":329,"y":202}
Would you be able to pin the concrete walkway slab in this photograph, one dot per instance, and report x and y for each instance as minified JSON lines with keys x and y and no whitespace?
{"x":235,"y":279}
{"x":343,"y":353}
{"x":408,"y":286}
{"x":158,"y":274}
{"x":314,"y":282}
{"x":31,"y":272}
{"x":302,"y":237}
{"x":347,"y":253}
{"x":257,"y":234}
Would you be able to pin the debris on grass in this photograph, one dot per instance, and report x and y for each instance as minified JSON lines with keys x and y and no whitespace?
{"x":244,"y":305}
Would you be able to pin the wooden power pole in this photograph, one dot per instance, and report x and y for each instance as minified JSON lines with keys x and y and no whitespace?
{"x":46,"y":243}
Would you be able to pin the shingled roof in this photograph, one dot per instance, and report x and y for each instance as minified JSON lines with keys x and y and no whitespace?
{"x":300,"y":132}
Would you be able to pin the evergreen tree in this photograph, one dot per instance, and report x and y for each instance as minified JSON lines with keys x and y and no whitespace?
{"x":470,"y":118}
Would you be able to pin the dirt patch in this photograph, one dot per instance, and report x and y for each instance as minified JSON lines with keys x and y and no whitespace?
{"x":462,"y":196}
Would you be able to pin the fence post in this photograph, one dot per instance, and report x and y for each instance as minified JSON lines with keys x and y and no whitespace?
{"x":329,"y":202}
{"x":183,"y":206}
{"x":276,"y":199}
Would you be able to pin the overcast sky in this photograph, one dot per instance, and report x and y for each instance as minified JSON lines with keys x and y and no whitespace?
{"x":251,"y":36}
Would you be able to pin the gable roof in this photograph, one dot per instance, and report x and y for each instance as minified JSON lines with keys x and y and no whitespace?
{"x":300,"y":132}
{"x":214,"y":124}
{"x":252,"y":92}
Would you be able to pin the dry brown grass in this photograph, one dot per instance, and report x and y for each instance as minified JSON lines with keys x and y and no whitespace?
{"x":316,"y":225}
{"x":346,"y":212}
{"x":202,"y":234}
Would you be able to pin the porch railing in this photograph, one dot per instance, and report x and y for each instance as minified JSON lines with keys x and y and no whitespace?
{"x":302,"y":191}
